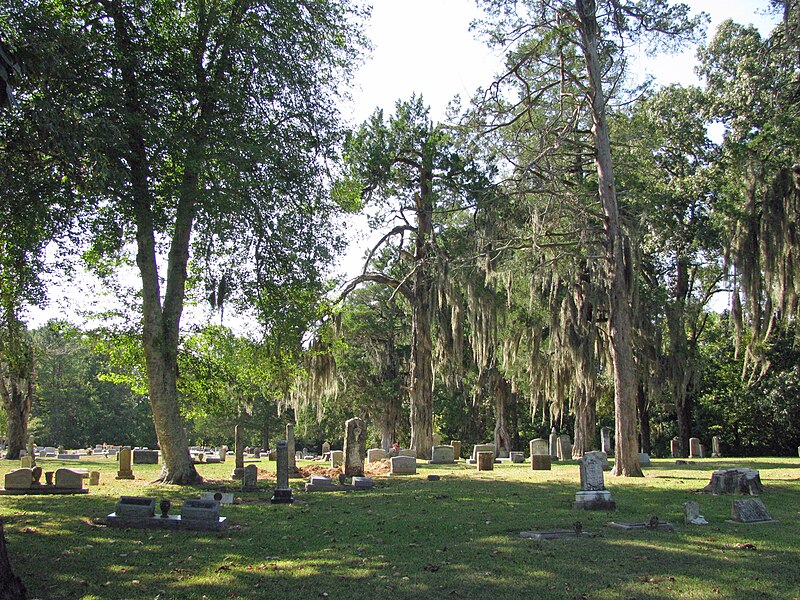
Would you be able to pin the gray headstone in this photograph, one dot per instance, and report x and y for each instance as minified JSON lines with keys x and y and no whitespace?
{"x":197,"y":509}
{"x":675,"y":447}
{"x":250,"y":478}
{"x":442,"y":455}
{"x":282,"y":493}
{"x":69,"y":479}
{"x":355,"y":447}
{"x":337,"y":458}
{"x":326,"y":447}
{"x":644,"y":459}
{"x":553,"y":444}
{"x":715,"y":449}
{"x":692,"y":514}
{"x":135,"y":507}
{"x":517,"y":457}
{"x":591,"y":469}
{"x":403,"y":465}
{"x":19,"y":479}
{"x":238,"y":453}
{"x":376,"y":454}
{"x":605,"y":441}
{"x":694,"y":448}
{"x":750,"y":510}
{"x":564,"y":447}
{"x":539,"y":446}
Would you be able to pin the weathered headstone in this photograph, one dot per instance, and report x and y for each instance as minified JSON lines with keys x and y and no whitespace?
{"x":257,"y":453}
{"x":94,"y":478}
{"x":319,"y":483}
{"x":337,"y":458}
{"x":644,"y":459}
{"x":605,"y":441}
{"x":326,"y":447}
{"x":539,"y":446}
{"x":290,"y":449}
{"x":145,"y":457}
{"x":694,"y":448}
{"x":68,"y":479}
{"x":282,"y":493}
{"x":456,"y":444}
{"x":376,"y":454}
{"x":675,"y":447}
{"x":250,"y":478}
{"x":593,"y":494}
{"x":135,"y":507}
{"x":442,"y":455}
{"x":410,"y":452}
{"x":553,"y":444}
{"x":750,"y":510}
{"x":27,"y":462}
{"x":517,"y":457}
{"x":125,"y":471}
{"x":19,"y":479}
{"x":362,"y":483}
{"x":355,"y":447}
{"x":692,"y":514}
{"x":238,"y":450}
{"x":735,"y":481}
{"x":715,"y":449}
{"x":485,"y":460}
{"x":403,"y":465}
{"x":564,"y":447}
{"x":480,"y":448}
{"x":540,"y":462}
{"x":197,"y":513}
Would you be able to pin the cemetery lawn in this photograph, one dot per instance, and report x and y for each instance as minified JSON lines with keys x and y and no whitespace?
{"x":412,"y":538}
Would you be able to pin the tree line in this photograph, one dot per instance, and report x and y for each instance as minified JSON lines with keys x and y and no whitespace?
{"x":549,"y":256}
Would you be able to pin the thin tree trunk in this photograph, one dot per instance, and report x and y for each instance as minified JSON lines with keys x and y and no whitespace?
{"x":502,"y":439}
{"x":17,"y":373}
{"x":678,"y":356}
{"x":585,"y":426}
{"x":644,"y":419}
{"x":620,"y":321}
{"x":265,"y":433}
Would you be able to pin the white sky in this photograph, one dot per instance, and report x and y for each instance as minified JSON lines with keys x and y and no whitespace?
{"x":425,"y":47}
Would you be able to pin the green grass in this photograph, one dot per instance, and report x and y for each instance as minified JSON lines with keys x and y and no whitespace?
{"x":411,"y":538}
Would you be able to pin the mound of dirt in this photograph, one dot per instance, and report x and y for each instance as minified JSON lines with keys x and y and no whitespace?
{"x":309,"y":470}
{"x":378,"y":467}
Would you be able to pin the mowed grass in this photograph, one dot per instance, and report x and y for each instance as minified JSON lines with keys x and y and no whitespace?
{"x":413,"y":538}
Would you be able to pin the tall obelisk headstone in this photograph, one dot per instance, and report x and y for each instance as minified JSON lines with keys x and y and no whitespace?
{"x":282,"y":493}
{"x":238,"y":449}
{"x":355,"y":447}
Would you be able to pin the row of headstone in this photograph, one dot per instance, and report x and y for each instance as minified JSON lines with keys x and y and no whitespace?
{"x":30,"y":479}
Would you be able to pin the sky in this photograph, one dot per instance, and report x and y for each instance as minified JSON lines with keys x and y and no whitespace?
{"x":426,"y":47}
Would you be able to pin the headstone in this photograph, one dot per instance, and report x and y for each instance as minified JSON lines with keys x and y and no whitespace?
{"x":517,"y":457}
{"x":199,"y":512}
{"x":456,"y":444}
{"x":702,"y":451}
{"x":593,"y":494}
{"x":540,"y":462}
{"x":675,"y":448}
{"x":326,"y":447}
{"x":715,"y":449}
{"x":605,"y":441}
{"x":19,"y":479}
{"x":644,"y":459}
{"x":290,"y":448}
{"x":355,"y":447}
{"x":221,"y":497}
{"x":376,"y":454}
{"x":442,"y":455}
{"x":94,"y":478}
{"x":238,"y":450}
{"x":27,"y":462}
{"x":257,"y":453}
{"x":403,"y":465}
{"x":553,"y":444}
{"x":223,"y":451}
{"x":410,"y":452}
{"x":319,"y":483}
{"x":692,"y":514}
{"x":362,"y":483}
{"x":750,"y":510}
{"x":485,"y":460}
{"x":145,"y":457}
{"x":337,"y":458}
{"x":564,"y":447}
{"x":282,"y":493}
{"x":480,"y":448}
{"x":68,"y":479}
{"x":125,"y":471}
{"x":250,"y":478}
{"x":694,"y":447}
{"x":539,"y":446}
{"x":135,"y":507}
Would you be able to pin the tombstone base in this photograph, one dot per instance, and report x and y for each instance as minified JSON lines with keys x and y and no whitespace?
{"x":43,"y":490}
{"x":594,"y":500}
{"x":751,"y":522}
{"x":173,"y":522}
{"x":125,"y":476}
{"x":282,"y":496}
{"x":642,"y":526}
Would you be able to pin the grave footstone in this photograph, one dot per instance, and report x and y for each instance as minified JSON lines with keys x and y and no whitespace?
{"x":362,"y":483}
{"x":125,"y":471}
{"x":694,"y":447}
{"x":593,"y":494}
{"x":715,"y":449}
{"x":605,"y":441}
{"x":403,"y":465}
{"x":750,"y":510}
{"x":282,"y":493}
{"x":250,"y":478}
{"x":485,"y":460}
{"x":442,"y":455}
{"x":692,"y":514}
{"x":355,"y":447}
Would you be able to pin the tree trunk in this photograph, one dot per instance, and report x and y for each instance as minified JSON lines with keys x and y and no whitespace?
{"x":11,"y":586}
{"x":421,"y":384}
{"x":678,"y":357}
{"x":644,"y":419}
{"x":585,"y":429}
{"x":161,"y":324}
{"x":620,"y":321}
{"x":502,"y":439}
{"x":265,"y":433}
{"x":17,"y":374}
